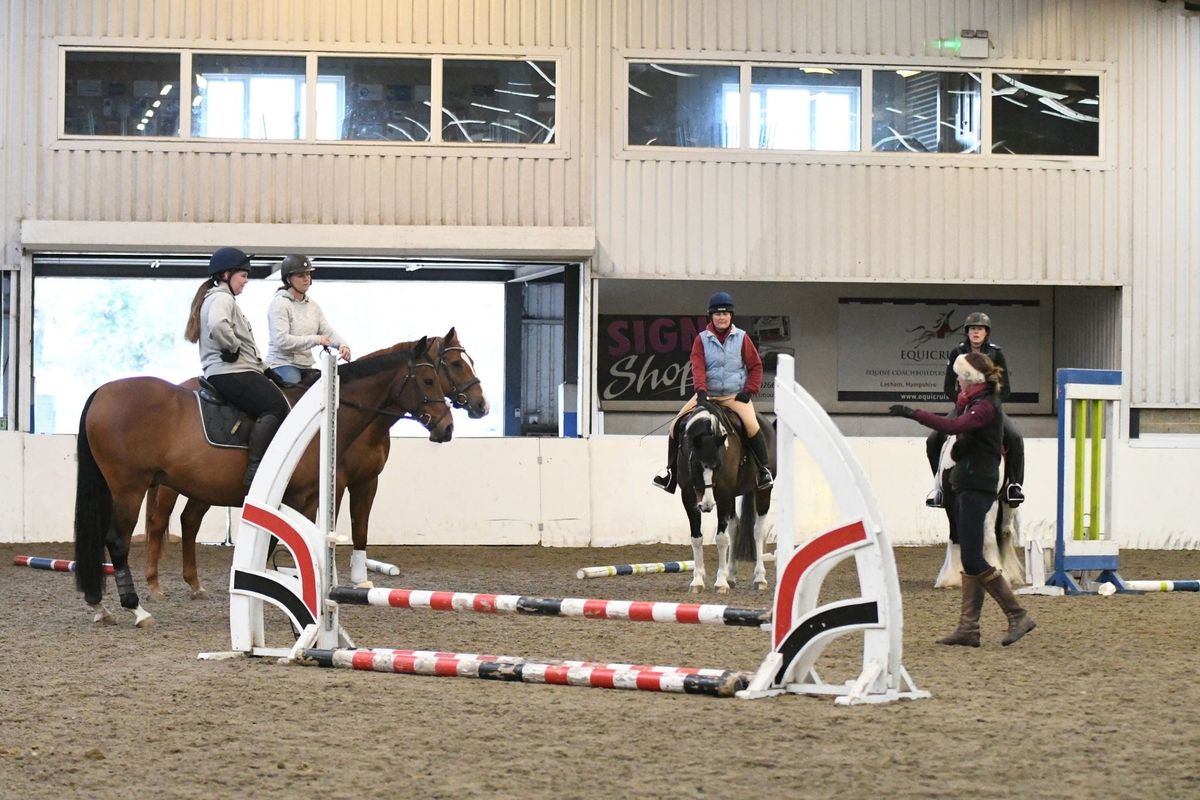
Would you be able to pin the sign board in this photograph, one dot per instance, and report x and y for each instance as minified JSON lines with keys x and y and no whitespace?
{"x":643,"y":361}
{"x":896,"y":351}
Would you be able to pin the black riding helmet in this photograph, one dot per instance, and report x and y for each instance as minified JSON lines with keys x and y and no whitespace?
{"x":227,"y":258}
{"x":721,"y":301}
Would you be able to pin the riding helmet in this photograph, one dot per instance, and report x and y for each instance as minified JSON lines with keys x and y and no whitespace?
{"x":294,"y":264}
{"x":980,"y":319}
{"x":228,"y":258}
{"x":721,"y":301}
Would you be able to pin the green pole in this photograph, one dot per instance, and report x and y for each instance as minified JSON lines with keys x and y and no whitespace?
{"x":1097,"y":487}
{"x":1079,"y":408}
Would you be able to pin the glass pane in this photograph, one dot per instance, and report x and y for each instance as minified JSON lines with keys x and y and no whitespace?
{"x":918,"y":111}
{"x":373,"y":98}
{"x":1046,"y":115}
{"x":806,"y":108}
{"x":121,"y":94}
{"x":150,"y":314}
{"x":498,"y":101}
{"x":247,"y":97}
{"x":684,"y":105}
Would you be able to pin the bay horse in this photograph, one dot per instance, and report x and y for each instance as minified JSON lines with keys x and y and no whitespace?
{"x":715,"y":469}
{"x":358,"y":468}
{"x":136,"y":433}
{"x":1002,"y":521}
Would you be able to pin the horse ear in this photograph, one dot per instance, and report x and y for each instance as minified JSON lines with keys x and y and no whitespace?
{"x":450,"y":334}
{"x":422,"y":346}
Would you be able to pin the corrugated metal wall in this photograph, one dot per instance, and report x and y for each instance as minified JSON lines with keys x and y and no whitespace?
{"x":542,"y":354}
{"x":150,"y":182}
{"x":1130,"y":222}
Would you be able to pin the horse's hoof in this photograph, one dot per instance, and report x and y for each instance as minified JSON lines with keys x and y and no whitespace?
{"x":722,"y":590}
{"x":157,"y":595}
{"x":695,"y":589}
{"x":147,"y":622}
{"x":142,"y":618}
{"x":760,"y":586}
{"x":200,"y":594}
{"x":103,"y":616}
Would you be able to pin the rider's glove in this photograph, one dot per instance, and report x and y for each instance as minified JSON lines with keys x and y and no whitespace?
{"x":742,"y":397}
{"x":701,"y":395}
{"x":229,"y":356}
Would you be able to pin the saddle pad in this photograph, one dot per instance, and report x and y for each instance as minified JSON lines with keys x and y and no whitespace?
{"x":225,"y":425}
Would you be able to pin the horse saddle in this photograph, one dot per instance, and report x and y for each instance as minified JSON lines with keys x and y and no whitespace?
{"x":225,"y":425}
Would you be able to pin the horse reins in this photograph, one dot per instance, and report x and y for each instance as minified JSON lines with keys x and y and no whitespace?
{"x":458,"y":395}
{"x":425,"y":418}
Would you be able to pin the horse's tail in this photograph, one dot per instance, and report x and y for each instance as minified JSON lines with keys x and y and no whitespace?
{"x":93,"y":515}
{"x":743,"y":540}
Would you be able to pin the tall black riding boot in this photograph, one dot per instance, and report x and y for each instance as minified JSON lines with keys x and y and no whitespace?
{"x":260,"y":438}
{"x":758,"y":446}
{"x":665,"y":479}
{"x":967,"y":632}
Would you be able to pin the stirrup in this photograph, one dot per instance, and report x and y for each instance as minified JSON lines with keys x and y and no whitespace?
{"x":765,"y":479}
{"x":1014,"y":496}
{"x":935,"y":499}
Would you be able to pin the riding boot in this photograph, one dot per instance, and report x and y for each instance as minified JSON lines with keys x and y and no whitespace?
{"x":758,"y":446}
{"x":967,"y":632}
{"x":1019,"y":621}
{"x":665,"y":479}
{"x":260,"y":439}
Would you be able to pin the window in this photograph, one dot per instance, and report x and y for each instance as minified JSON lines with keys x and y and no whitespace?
{"x":923,"y":111}
{"x":1045,"y":115}
{"x":247,"y":97}
{"x":373,"y":99}
{"x":108,"y":93}
{"x":684,"y":105}
{"x":805,"y":108}
{"x":498,"y":101}
{"x":72,"y":315}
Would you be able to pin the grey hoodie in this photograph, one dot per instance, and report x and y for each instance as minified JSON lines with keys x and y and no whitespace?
{"x":224,"y":327}
{"x":295,"y":326}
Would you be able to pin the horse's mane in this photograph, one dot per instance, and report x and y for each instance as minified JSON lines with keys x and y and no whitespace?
{"x":431,"y":340}
{"x":375,"y":363}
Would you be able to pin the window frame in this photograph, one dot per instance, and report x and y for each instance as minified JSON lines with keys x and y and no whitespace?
{"x":185,"y":142}
{"x":745,"y":154}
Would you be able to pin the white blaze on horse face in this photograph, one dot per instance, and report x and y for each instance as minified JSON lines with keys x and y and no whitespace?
{"x":709,"y":501}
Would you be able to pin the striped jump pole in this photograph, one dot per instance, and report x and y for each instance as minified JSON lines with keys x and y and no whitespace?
{"x":556,"y":662}
{"x":650,"y":568}
{"x":1164,"y":586}
{"x":509,"y":668}
{"x":55,"y":564}
{"x":582,"y":608}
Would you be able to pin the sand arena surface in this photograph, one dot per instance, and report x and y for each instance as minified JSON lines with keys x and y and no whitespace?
{"x":1099,"y":700}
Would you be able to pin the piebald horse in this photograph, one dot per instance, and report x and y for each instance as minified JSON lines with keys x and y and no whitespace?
{"x":1002,"y":520}
{"x":714,"y":468}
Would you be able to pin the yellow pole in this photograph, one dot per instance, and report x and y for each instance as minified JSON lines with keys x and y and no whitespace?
{"x":1079,"y":408}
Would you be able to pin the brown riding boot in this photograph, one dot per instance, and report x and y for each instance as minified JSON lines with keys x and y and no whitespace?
{"x":967,"y":632}
{"x":1019,"y":621}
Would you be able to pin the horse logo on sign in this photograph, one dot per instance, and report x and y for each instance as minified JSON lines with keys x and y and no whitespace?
{"x":939,"y":330}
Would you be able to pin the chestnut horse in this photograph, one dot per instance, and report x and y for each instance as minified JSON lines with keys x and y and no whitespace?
{"x":358,"y":470}
{"x":141,"y":432}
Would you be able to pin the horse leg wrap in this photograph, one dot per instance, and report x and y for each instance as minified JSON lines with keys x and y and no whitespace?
{"x":129,"y":598}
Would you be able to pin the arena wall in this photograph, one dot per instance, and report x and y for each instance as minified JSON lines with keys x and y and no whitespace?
{"x":596,"y":492}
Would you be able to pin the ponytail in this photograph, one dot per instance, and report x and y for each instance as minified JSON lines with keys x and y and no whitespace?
{"x":192,"y":331}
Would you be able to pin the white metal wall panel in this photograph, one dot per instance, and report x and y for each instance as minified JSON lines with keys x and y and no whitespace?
{"x":542,"y":353}
{"x":345,"y":185}
{"x":1131,"y":221}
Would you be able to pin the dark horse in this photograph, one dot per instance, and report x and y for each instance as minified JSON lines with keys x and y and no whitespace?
{"x":358,"y":469}
{"x":141,"y":432}
{"x":715,"y":468}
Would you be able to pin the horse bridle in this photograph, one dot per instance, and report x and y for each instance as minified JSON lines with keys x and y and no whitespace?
{"x":425,"y":418}
{"x":458,"y":395}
